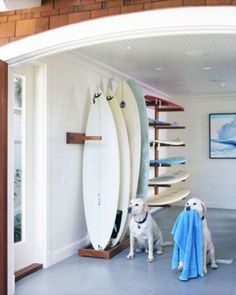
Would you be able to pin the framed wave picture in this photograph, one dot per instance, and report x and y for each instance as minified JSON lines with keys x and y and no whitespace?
{"x":222,"y":136}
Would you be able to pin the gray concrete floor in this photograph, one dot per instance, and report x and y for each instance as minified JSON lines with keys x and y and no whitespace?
{"x":94,"y":276}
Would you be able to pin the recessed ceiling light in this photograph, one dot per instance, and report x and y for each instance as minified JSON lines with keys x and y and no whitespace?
{"x":196,"y":53}
{"x":179,"y":82}
{"x":207,"y":68}
{"x":158,"y":69}
{"x":128,"y":47}
{"x":220,"y":83}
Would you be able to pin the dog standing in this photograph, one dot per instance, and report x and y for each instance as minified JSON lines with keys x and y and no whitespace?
{"x":208,"y":247}
{"x":144,"y":229}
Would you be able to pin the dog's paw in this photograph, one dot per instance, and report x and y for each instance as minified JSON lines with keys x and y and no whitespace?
{"x":205,"y":270}
{"x":159,"y":252}
{"x":150,"y":259}
{"x":214,"y":266}
{"x":130,"y":256}
{"x":180,"y":266}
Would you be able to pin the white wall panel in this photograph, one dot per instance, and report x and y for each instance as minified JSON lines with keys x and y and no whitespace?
{"x":212,"y":180}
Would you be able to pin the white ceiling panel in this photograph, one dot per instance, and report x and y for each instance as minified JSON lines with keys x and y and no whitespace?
{"x":177,"y":65}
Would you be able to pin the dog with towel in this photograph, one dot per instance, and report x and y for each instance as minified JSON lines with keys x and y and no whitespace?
{"x":188,"y":246}
{"x":193,"y":248}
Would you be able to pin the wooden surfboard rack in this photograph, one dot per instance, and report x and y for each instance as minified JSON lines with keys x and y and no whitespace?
{"x":79,"y":137}
{"x":105,"y":254}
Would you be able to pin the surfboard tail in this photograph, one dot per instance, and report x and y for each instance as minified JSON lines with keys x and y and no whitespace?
{"x":225,"y":261}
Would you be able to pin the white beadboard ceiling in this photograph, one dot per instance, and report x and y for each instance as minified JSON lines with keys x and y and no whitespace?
{"x":176,"y":65}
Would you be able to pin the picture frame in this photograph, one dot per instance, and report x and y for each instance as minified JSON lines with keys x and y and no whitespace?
{"x":222,"y":136}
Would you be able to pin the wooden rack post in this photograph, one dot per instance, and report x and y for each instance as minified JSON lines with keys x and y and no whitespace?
{"x":156,"y":150}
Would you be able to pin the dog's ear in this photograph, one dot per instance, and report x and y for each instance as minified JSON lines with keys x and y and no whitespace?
{"x":204,"y":209}
{"x":145,"y":207}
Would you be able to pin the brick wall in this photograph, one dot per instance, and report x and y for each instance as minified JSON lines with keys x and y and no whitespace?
{"x":18,"y":24}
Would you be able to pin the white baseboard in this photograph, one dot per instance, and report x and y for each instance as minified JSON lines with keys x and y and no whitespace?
{"x":68,"y":251}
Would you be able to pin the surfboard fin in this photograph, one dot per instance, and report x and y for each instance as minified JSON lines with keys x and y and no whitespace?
{"x":122,"y":104}
{"x":109,"y":97}
{"x":117,"y":224}
{"x":95,"y":96}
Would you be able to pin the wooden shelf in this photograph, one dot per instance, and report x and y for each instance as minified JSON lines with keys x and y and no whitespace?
{"x":79,"y":137}
{"x":166,"y":145}
{"x":165,"y":165}
{"x":168,"y":127}
{"x":106,"y":254}
{"x":159,"y":185}
{"x":160,"y":165}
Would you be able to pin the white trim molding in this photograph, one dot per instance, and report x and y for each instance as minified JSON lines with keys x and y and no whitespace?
{"x":173,"y":21}
{"x":70,"y":250}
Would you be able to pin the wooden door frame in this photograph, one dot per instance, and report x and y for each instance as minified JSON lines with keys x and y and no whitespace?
{"x":3,"y":176}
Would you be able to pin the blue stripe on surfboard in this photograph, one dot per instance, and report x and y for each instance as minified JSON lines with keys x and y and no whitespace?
{"x":169,"y":161}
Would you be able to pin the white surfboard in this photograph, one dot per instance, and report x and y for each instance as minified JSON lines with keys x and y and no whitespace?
{"x":144,"y":156}
{"x":122,"y":212}
{"x":173,"y":142}
{"x":130,"y":111}
{"x":101,"y":173}
{"x":169,"y":178}
{"x":167,"y":197}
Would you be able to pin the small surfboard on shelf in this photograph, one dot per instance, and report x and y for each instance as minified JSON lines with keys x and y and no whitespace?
{"x":169,"y":178}
{"x":168,"y":161}
{"x":172,"y":142}
{"x":153,"y":122}
{"x":168,"y":197}
{"x":163,"y":104}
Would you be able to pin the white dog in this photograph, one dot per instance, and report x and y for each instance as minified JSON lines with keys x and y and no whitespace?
{"x":144,"y":229}
{"x":208,"y":247}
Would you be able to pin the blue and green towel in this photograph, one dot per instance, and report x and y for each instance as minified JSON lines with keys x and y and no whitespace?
{"x":188,"y":246}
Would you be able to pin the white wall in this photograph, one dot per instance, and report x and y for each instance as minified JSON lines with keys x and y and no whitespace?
{"x":69,"y":80}
{"x":68,"y":102}
{"x":212,"y":180}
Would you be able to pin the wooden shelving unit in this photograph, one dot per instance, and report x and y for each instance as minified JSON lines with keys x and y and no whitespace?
{"x":161,"y":105}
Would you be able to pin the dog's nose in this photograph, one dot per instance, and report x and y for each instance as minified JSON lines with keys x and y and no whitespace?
{"x":187,"y":208}
{"x":129,"y":209}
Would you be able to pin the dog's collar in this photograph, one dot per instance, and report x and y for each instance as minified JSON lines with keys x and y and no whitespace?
{"x":142,"y":221}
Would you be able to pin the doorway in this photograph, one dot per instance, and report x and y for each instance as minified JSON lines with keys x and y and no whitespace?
{"x":28,"y":101}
